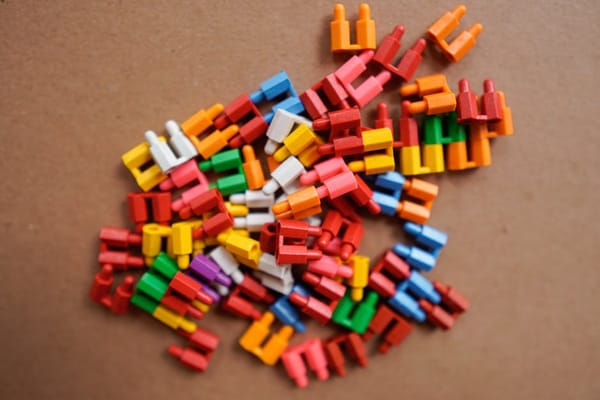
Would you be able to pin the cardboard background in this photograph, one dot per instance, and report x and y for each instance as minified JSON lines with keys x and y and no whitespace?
{"x":81,"y":81}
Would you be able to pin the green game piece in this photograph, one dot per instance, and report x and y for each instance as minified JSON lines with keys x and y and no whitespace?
{"x":456,"y":131}
{"x":165,"y":265}
{"x":223,"y":161}
{"x":152,"y":286}
{"x":227,"y":185}
{"x":433,"y":131}
{"x":144,"y":302}
{"x":362,"y":315}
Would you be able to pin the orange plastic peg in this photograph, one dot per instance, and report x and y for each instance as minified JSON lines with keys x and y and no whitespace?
{"x":255,"y":176}
{"x":340,"y":30}
{"x":425,"y":85}
{"x":460,"y":46}
{"x":437,"y":103}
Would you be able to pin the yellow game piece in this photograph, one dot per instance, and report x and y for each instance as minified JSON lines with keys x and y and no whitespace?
{"x":173,"y":320}
{"x":138,"y":157}
{"x":360,"y":276}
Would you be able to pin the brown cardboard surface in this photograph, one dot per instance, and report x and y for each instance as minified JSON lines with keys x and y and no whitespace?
{"x":81,"y":81}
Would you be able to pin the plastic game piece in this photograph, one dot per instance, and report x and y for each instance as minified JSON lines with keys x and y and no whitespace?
{"x":355,"y":316}
{"x":255,"y":176}
{"x":139,"y":157}
{"x":312,"y":350}
{"x":283,"y":123}
{"x":252,"y":340}
{"x":393,"y":328}
{"x":189,"y":357}
{"x":312,"y":307}
{"x":409,"y":62}
{"x":340,"y":30}
{"x":441,"y":29}
{"x":284,"y":175}
{"x":354,"y":346}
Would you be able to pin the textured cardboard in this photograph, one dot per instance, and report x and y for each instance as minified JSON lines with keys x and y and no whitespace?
{"x":82,"y":80}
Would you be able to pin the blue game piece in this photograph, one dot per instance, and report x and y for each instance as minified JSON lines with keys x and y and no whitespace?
{"x":406,"y":305}
{"x":427,"y":236}
{"x":286,"y":312}
{"x":415,"y":257}
{"x":420,"y":286}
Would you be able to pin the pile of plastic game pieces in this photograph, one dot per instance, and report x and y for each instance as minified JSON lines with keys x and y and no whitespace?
{"x":281,"y":248}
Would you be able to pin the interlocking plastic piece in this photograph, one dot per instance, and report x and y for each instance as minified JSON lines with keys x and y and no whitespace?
{"x":285,"y":312}
{"x":452,"y":302}
{"x":312,"y":350}
{"x":201,"y":121}
{"x":352,"y":344}
{"x":427,"y":236}
{"x":312,"y":307}
{"x":406,"y":304}
{"x":284,"y":175}
{"x":441,"y":29}
{"x":205,"y":268}
{"x":227,"y":263}
{"x":163,"y":314}
{"x":245,"y":249}
{"x":123,"y":240}
{"x":295,"y":143}
{"x":326,"y":95}
{"x":255,"y":176}
{"x":102,"y":283}
{"x":249,"y":288}
{"x":189,"y":357}
{"x":201,"y":124}
{"x":326,"y":286}
{"x":467,"y":106}
{"x":227,"y":160}
{"x":370,"y":87}
{"x":324,"y":170}
{"x":256,"y":334}
{"x":307,"y":201}
{"x":371,"y":140}
{"x":436,"y":103}
{"x":291,"y":246}
{"x":426,"y":85}
{"x":421,"y":288}
{"x":268,"y":237}
{"x":253,"y":199}
{"x":200,"y":130}
{"x":393,"y":327}
{"x":143,"y":205}
{"x":273,"y":89}
{"x":415,"y":256}
{"x":242,"y":109}
{"x":392,"y":265}
{"x":169,"y":155}
{"x":139,"y":157}
{"x":283,"y":123}
{"x":409,"y":62}
{"x":339,"y":123}
{"x":374,"y":163}
{"x":119,"y":301}
{"x":340,"y":30}
{"x":153,"y":238}
{"x":355,"y":316}
{"x":436,"y":315}
{"x":181,"y":243}
{"x":253,"y":222}
{"x":119,"y":237}
{"x":327,"y":266}
{"x":202,"y":339}
{"x":277,"y":277}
